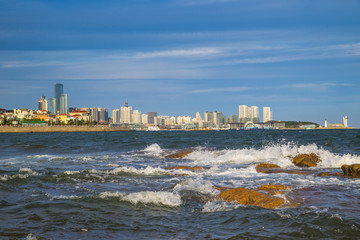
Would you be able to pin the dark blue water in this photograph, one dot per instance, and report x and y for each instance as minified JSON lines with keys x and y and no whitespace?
{"x":115,"y":185}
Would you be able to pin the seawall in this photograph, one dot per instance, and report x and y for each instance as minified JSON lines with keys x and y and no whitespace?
{"x":35,"y":129}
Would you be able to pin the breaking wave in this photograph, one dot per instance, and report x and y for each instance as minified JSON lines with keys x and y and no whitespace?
{"x":146,"y":197}
{"x":276,"y":154}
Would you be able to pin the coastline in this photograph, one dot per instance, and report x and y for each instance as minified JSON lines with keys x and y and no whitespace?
{"x":38,"y":129}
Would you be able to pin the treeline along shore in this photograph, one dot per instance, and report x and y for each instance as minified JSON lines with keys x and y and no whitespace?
{"x":33,"y":129}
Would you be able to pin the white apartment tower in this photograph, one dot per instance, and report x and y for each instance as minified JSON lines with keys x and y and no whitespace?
{"x":254,"y":114}
{"x":345,"y":121}
{"x":43,"y":104}
{"x":126,"y":114}
{"x":267,"y":114}
{"x":136,"y":116}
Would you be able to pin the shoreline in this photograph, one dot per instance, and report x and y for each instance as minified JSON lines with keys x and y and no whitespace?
{"x":39,"y":129}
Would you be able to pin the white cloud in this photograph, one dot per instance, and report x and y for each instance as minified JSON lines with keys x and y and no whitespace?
{"x":179,"y":53}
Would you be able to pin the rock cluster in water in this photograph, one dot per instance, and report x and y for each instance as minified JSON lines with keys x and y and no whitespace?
{"x":306,"y":160}
{"x":180,"y":154}
{"x":351,"y":170}
{"x":261,"y":197}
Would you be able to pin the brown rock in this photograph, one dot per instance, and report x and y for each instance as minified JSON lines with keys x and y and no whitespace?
{"x":180,"y":154}
{"x":274,"y":189}
{"x":251,"y":197}
{"x":327,"y":174}
{"x":196,"y":168}
{"x":306,"y":160}
{"x":273,"y":168}
{"x":351,"y":170}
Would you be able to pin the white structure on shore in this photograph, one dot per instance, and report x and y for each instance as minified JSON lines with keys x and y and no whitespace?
{"x":345,"y":121}
{"x":267,"y":114}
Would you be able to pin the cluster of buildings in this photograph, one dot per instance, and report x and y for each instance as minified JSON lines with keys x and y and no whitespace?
{"x":57,"y":110}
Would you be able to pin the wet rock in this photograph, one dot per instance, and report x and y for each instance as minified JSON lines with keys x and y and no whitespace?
{"x":274,"y":189}
{"x":306,"y":160}
{"x":273,"y":168}
{"x":327,"y":174}
{"x":195,"y":168}
{"x":260,"y":198}
{"x":180,"y":154}
{"x":351,"y":170}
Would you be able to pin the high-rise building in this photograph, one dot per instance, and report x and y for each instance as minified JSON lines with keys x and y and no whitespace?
{"x":267,"y":114}
{"x":103,"y":115}
{"x":52,"y":105}
{"x":43,"y":104}
{"x":116,"y":116}
{"x":244,"y":114}
{"x":126,"y":114}
{"x":64,"y":104}
{"x":151,"y":116}
{"x":209,"y":116}
{"x":94,"y":115}
{"x":58,"y":92}
{"x":136,"y":116}
{"x":254,"y":114}
{"x":144,"y":118}
{"x":219,"y":118}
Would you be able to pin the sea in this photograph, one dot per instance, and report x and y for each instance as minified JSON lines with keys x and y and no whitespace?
{"x":118,"y":185}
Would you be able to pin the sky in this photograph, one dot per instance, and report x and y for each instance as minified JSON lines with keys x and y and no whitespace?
{"x":179,"y":57}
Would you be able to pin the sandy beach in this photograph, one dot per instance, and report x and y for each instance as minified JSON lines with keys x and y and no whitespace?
{"x":33,"y":129}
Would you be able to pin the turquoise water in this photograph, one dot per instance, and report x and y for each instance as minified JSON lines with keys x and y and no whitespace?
{"x":115,"y":185}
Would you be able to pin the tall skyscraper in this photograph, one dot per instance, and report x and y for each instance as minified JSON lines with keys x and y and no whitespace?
{"x":267,"y":114}
{"x":52,"y":106}
{"x":43,"y":103}
{"x":94,"y":115}
{"x":116,"y":116}
{"x":58,"y":91}
{"x":144,"y":118}
{"x":64,"y":103}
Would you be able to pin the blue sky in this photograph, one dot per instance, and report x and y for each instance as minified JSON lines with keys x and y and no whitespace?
{"x":179,"y":57}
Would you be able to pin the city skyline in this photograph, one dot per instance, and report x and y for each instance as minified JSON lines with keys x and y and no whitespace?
{"x":182,"y":57}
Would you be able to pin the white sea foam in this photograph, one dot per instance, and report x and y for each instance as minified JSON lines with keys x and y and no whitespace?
{"x":276,"y":154}
{"x":153,"y":149}
{"x":219,"y":206}
{"x":146,"y":197}
{"x":23,"y":174}
{"x":196,"y":185}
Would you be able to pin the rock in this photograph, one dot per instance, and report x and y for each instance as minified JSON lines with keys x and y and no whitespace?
{"x":251,"y":197}
{"x":351,"y":170}
{"x":327,"y":174}
{"x":274,"y":189}
{"x":306,"y":160}
{"x":180,"y":154}
{"x":273,"y":168}
{"x":195,"y":168}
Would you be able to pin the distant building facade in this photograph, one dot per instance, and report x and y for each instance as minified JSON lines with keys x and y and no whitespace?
{"x":267,"y":114}
{"x":43,"y":103}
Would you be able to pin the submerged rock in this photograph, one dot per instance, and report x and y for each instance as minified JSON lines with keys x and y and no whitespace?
{"x":195,"y":168}
{"x":180,"y":154}
{"x":306,"y":160}
{"x":351,"y":170}
{"x":273,"y":168}
{"x":262,"y":197}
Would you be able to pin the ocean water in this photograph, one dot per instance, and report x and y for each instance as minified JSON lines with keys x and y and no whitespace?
{"x":115,"y":185}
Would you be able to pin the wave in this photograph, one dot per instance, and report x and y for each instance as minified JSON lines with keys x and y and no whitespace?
{"x":147,"y":197}
{"x":154,"y":150}
{"x":277,"y":154}
{"x":23,"y":174}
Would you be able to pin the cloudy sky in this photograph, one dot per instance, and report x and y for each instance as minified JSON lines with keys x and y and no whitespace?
{"x":179,"y":57}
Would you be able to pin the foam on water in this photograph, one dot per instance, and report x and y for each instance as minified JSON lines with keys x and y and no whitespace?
{"x":153,"y":149}
{"x":23,"y":174}
{"x":219,"y":206}
{"x":146,"y":197}
{"x":196,"y":185}
{"x":276,"y":154}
